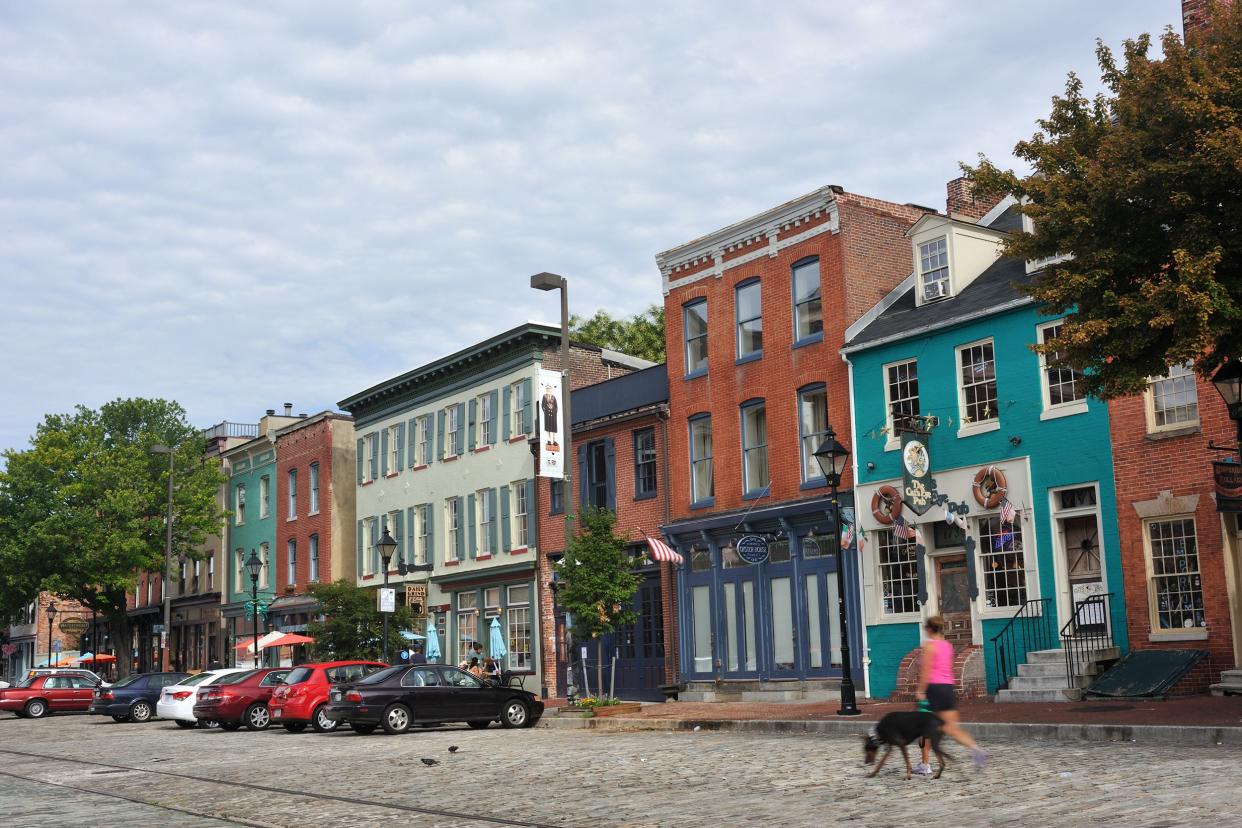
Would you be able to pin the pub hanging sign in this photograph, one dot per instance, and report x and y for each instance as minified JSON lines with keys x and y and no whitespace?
{"x":1228,"y":480}
{"x":917,"y":486}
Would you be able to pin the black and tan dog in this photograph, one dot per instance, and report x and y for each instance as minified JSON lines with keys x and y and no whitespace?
{"x":899,"y":730}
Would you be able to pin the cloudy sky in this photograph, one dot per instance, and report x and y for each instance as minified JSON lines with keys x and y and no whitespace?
{"x":240,"y":204}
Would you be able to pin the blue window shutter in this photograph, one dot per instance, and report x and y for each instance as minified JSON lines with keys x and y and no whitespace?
{"x":461,"y":426}
{"x":412,"y":431}
{"x":400,"y":447}
{"x":582,"y":478}
{"x":526,"y":407}
{"x":532,"y":518}
{"x":504,"y":414}
{"x":408,"y":552}
{"x":492,"y":497}
{"x":399,"y":534}
{"x":461,"y":528}
{"x":471,"y":548}
{"x":373,"y":439}
{"x":361,"y":456}
{"x":383,"y":452}
{"x":440,"y":434}
{"x":505,"y":531}
{"x":431,"y":534}
{"x":495,"y":400}
{"x":470,"y":424}
{"x":375,"y":534}
{"x":610,"y":455}
{"x":358,"y":573}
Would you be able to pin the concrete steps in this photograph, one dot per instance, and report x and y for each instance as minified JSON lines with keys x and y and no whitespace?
{"x":1230,"y":684}
{"x":774,"y":692}
{"x":1043,"y":677}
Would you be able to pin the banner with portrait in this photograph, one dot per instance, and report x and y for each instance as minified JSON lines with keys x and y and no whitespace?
{"x":551,"y":424}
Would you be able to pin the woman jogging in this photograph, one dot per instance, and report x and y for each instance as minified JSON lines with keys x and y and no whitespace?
{"x":936,"y":688}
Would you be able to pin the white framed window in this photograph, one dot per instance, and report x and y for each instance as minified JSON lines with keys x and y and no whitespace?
{"x":265,"y":572}
{"x":239,"y":564}
{"x":812,"y":427}
{"x":370,"y":469}
{"x":211,"y":573}
{"x":394,"y":449}
{"x":390,"y":523}
{"x":467,"y":623}
{"x":1173,"y":399}
{"x":293,"y":494}
{"x":150,"y":586}
{"x":422,"y":446}
{"x":517,"y":612}
{"x":934,"y":269}
{"x":901,"y":396}
{"x":314,"y":488}
{"x":1175,"y":587}
{"x":520,"y":511}
{"x":452,"y":434}
{"x":265,"y":492}
{"x":976,"y":385}
{"x":291,"y":562}
{"x":1003,"y":561}
{"x":313,"y":557}
{"x":422,"y":513}
{"x":452,"y":526}
{"x":899,"y":575}
{"x":749,"y":319}
{"x":754,"y":448}
{"x":1060,"y":381}
{"x":368,"y":547}
{"x":491,"y":601}
{"x":239,"y":505}
{"x":484,"y":505}
{"x":487,"y":420}
{"x":808,"y":302}
{"x":694,"y":316}
{"x":702,"y":488}
{"x":517,"y":397}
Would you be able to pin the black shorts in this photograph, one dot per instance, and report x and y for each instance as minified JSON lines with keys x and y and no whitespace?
{"x":940,"y":697}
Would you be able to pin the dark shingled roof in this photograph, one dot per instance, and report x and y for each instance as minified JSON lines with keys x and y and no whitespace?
{"x":628,"y":392}
{"x":994,"y":287}
{"x":1009,"y":221}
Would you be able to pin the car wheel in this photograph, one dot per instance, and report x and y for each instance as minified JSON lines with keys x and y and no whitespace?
{"x":230,"y":726}
{"x":514,"y":714}
{"x":396,"y":719}
{"x":480,"y":724}
{"x":120,"y":718}
{"x":36,"y":709}
{"x":257,"y":717}
{"x":362,"y":729}
{"x":141,"y":712}
{"x":184,"y":724}
{"x":295,"y":727}
{"x":321,"y":721}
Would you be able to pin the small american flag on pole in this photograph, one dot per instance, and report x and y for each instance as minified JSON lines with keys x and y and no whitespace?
{"x":1007,"y":511}
{"x":902,"y":529}
{"x":661,"y":551}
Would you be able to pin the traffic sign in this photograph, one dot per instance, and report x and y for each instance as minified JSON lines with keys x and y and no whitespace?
{"x":56,"y":646}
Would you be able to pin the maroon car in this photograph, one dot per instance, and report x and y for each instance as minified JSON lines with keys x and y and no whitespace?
{"x":240,"y":699}
{"x":37,"y":696}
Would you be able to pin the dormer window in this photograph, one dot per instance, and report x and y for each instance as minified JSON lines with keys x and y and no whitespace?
{"x":934,"y":269}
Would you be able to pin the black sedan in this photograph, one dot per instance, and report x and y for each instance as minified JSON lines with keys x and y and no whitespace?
{"x":132,"y":699}
{"x":429,"y":694}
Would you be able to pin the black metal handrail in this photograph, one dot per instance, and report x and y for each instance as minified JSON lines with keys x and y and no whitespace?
{"x":1030,"y":629}
{"x":1088,"y":631}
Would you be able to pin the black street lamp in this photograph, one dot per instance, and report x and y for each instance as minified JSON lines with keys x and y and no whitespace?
{"x":1228,"y":382}
{"x":386,"y":546}
{"x":254,"y":565}
{"x":51,"y":616}
{"x":832,"y":457}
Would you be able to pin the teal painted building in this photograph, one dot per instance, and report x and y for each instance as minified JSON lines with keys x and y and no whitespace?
{"x":953,"y":343}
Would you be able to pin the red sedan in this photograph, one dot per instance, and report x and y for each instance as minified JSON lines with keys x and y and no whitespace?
{"x":35,"y":697}
{"x":240,"y":699}
{"x":303,"y":698}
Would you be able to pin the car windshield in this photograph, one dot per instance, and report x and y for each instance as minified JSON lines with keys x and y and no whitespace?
{"x":235,"y":678}
{"x":26,"y":682}
{"x":382,"y":675}
{"x":190,"y":681}
{"x":128,"y":680}
{"x":299,"y":675}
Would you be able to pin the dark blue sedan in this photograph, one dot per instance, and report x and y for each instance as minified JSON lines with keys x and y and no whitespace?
{"x":132,"y":699}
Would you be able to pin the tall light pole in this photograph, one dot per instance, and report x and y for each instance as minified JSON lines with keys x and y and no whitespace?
{"x":551,"y":281}
{"x":51,"y":616}
{"x":386,"y":546}
{"x":254,"y":566}
{"x":166,"y":635}
{"x":831,"y":457}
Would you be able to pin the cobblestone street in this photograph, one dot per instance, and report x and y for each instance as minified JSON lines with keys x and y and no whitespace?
{"x":83,"y":770}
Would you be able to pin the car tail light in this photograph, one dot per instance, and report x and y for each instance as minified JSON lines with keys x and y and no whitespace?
{"x":105,"y":694}
{"x":353,"y":696}
{"x":182,"y":695}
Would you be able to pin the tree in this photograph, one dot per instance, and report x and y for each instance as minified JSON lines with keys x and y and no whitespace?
{"x":354,"y":628}
{"x":599,"y":582}
{"x":1142,"y":190}
{"x":82,"y":510}
{"x":642,"y":335}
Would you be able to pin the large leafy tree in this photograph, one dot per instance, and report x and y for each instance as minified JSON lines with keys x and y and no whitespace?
{"x":354,"y":627}
{"x":1141,"y":189}
{"x":599,"y":582}
{"x":83,"y":509}
{"x":642,"y":335}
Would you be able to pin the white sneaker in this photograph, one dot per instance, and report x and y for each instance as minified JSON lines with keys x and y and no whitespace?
{"x":923,"y":769}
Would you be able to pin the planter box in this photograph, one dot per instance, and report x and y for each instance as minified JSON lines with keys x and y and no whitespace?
{"x":575,"y":713}
{"x":617,"y":709}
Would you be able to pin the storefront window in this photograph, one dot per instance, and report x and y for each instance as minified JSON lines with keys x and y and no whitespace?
{"x":518,"y":616}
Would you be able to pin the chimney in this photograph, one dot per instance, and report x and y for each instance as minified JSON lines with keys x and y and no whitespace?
{"x":960,"y":202}
{"x":271,"y":412}
{"x":288,"y":409}
{"x":1195,"y":20}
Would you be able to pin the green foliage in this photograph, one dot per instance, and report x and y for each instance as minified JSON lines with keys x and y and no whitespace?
{"x":83,"y":509}
{"x":1143,"y":187}
{"x":354,"y":628}
{"x":642,"y":335}
{"x":598,"y":577}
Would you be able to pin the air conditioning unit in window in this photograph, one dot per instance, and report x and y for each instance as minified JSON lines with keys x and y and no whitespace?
{"x":935,"y":290}
{"x":241,"y":497}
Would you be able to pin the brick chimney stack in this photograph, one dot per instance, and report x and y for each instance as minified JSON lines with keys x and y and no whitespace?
{"x":1195,"y":16}
{"x":961,"y":203}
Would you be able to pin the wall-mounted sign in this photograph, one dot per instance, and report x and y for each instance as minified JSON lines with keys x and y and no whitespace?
{"x":416,"y":598}
{"x":72,"y":625}
{"x":387,"y":599}
{"x":916,"y":488}
{"x":551,"y":419}
{"x":753,"y":549}
{"x":1228,"y":479}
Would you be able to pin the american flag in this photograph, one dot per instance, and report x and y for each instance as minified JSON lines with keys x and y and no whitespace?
{"x":902,"y":529}
{"x":847,"y":535}
{"x":1007,"y":512}
{"x":661,"y":551}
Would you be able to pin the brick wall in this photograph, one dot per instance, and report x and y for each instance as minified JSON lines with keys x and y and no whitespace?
{"x":587,"y":365}
{"x":960,"y":201}
{"x":1195,"y":19}
{"x":297,"y":449}
{"x":968,"y":674}
{"x":65,"y":608}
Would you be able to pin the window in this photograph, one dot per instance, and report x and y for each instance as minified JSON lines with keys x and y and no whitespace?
{"x":239,"y":564}
{"x":487,"y":420}
{"x":978,"y":383}
{"x":518,"y":616}
{"x":901,"y":385}
{"x":702,"y":488}
{"x":452,"y":522}
{"x":696,"y":337}
{"x":150,"y":584}
{"x":293,"y":494}
{"x":314,"y":558}
{"x":517,"y":394}
{"x":292,"y":562}
{"x":265,"y":489}
{"x":239,"y":505}
{"x":754,"y":448}
{"x":808,"y":303}
{"x":749,"y":320}
{"x":520,"y":508}
{"x":1174,"y":400}
{"x":423,"y":515}
{"x":1003,"y":562}
{"x":556,"y":497}
{"x":491,"y":601}
{"x":265,"y":572}
{"x":452,"y":419}
{"x":211,"y":573}
{"x":314,"y":488}
{"x":1060,"y":379}
{"x":181,"y":573}
{"x":467,"y":624}
{"x":423,"y":447}
{"x":644,"y":463}
{"x":486,"y":518}
{"x":597,"y":475}
{"x":394,"y":449}
{"x":812,"y":426}
{"x":1177,"y":592}
{"x":934,"y":269}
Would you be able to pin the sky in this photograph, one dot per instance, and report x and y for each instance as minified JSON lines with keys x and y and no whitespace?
{"x":238,"y":205}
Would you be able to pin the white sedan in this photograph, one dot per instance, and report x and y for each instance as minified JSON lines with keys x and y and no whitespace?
{"x":176,"y":701}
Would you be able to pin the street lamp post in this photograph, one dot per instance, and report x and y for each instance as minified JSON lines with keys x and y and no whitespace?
{"x":51,"y":616}
{"x":386,"y":546}
{"x":254,"y":565}
{"x":831,"y":457}
{"x":551,"y":281}
{"x":166,"y":635}
{"x":1228,"y":382}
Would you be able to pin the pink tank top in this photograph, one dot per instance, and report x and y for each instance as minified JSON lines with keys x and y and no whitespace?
{"x":941,"y":670}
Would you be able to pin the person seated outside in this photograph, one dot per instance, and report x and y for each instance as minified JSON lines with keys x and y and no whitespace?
{"x":474,"y":669}
{"x":492,"y":670}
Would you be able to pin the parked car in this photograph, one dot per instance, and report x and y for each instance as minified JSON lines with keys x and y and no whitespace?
{"x":429,"y":694}
{"x":133,"y":698}
{"x":68,"y":671}
{"x":303,"y":698}
{"x":38,"y":696}
{"x":176,"y":701}
{"x":240,"y":699}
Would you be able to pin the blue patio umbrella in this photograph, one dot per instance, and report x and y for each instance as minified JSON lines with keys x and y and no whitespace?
{"x":411,"y":636}
{"x":496,"y":642}
{"x":433,"y":644}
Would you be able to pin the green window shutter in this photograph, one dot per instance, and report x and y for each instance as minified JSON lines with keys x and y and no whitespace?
{"x":610,"y":461}
{"x":461,"y":529}
{"x":471,"y":548}
{"x":495,"y":397}
{"x":492,"y":498}
{"x":505,"y":530}
{"x":411,"y":452}
{"x":471,"y":423}
{"x":408,"y":552}
{"x":431,"y":535}
{"x":461,"y":426}
{"x":361,"y":456}
{"x":526,"y":407}
{"x":373,"y":439}
{"x":440,"y":434}
{"x":532,"y":519}
{"x":383,"y":452}
{"x":400,"y":447}
{"x":358,"y":573}
{"x":399,"y":534}
{"x":505,"y":433}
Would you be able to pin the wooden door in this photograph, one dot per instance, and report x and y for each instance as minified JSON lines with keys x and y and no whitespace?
{"x":953,"y":586}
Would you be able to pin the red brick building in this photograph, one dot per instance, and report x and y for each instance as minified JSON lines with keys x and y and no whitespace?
{"x":755,"y":317}
{"x":32,"y":636}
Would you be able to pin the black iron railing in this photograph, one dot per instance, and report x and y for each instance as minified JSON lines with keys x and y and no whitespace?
{"x":1088,"y":631}
{"x":1032,"y":628}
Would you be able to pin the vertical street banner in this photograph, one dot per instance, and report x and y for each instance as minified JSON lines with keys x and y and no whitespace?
{"x":551,"y":424}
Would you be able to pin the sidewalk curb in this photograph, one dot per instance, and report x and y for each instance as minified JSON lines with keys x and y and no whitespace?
{"x":984,"y":731}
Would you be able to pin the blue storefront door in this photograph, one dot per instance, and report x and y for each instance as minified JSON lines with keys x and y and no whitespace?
{"x":784,"y":637}
{"x":739,"y":623}
{"x":639,"y":648}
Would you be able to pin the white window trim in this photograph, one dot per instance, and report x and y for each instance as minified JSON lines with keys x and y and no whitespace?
{"x":483,"y":504}
{"x":312,"y":488}
{"x":516,"y":409}
{"x":451,"y":423}
{"x":966,"y":429}
{"x":1154,"y":633}
{"x":1030,"y":564}
{"x":918,"y":266}
{"x":394,"y":451}
{"x":1149,"y":408}
{"x":1050,"y":411}
{"x":893,"y":441}
{"x":291,"y":496}
{"x":876,"y":610}
{"x":518,"y":536}
{"x":265,"y":494}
